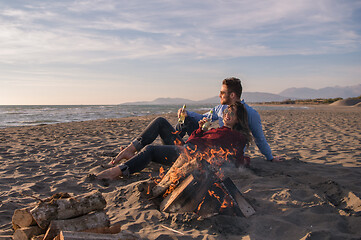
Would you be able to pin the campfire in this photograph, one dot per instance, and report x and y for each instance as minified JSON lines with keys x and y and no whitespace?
{"x":196,"y":183}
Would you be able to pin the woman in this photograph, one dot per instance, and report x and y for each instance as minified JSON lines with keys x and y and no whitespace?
{"x":231,"y":138}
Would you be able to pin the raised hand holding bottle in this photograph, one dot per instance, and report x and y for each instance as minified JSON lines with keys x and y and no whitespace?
{"x":182,"y":115}
{"x":207,"y":124}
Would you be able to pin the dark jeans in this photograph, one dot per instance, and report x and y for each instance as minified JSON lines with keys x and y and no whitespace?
{"x":165,"y":154}
{"x":189,"y":126}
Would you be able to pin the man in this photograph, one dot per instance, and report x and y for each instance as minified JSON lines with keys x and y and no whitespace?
{"x":231,"y":92}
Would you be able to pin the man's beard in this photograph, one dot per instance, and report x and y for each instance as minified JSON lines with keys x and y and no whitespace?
{"x":226,"y":100}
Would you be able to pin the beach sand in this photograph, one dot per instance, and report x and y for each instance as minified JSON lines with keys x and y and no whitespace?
{"x":313,"y":194}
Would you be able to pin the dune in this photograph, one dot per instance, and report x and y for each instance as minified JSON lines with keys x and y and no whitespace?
{"x":357,"y":105}
{"x":346,"y":102}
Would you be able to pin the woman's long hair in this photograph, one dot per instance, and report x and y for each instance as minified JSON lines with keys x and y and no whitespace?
{"x":242,"y":121}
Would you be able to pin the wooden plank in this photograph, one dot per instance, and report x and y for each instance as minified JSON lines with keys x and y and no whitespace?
{"x":246,"y":209}
{"x":187,"y":196}
{"x":71,"y":235}
{"x":89,"y":221}
{"x":169,"y":204}
{"x":197,"y":193}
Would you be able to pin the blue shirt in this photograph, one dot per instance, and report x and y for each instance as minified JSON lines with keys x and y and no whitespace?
{"x":254,"y":122}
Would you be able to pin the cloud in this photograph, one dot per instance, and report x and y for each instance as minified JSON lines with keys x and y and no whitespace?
{"x":103,"y":30}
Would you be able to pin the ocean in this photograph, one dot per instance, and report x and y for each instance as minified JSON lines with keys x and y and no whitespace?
{"x":27,"y":115}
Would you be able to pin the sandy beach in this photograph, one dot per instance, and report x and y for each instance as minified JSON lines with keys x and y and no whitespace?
{"x":313,"y":194}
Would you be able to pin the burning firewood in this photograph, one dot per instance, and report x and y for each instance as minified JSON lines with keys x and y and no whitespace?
{"x":188,"y":163}
{"x":205,"y":190}
{"x":207,"y":195}
{"x":179,"y":170}
{"x":187,"y":196}
{"x":193,"y":160}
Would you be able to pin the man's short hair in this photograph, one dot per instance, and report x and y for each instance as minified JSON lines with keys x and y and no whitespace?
{"x":233,"y":85}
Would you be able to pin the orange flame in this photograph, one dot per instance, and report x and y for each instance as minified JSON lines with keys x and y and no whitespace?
{"x":177,"y":141}
{"x":148,"y":190}
{"x":226,"y":202}
{"x":161,"y":172}
{"x":169,"y":190}
{"x":175,"y":175}
{"x":212,"y":194}
{"x":200,"y":205}
{"x":215,"y":159}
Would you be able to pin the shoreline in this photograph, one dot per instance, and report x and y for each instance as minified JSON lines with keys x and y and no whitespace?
{"x":314,"y":192}
{"x":272,"y":107}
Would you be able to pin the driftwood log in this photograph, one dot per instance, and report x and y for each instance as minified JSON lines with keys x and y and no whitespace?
{"x":89,"y":221}
{"x":26,"y":233}
{"x":124,"y":235}
{"x":67,"y":208}
{"x":22,"y":218}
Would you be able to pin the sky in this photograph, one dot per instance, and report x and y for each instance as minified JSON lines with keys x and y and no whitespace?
{"x":115,"y":51}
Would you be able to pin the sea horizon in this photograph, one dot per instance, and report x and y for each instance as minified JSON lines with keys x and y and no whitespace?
{"x":30,"y":115}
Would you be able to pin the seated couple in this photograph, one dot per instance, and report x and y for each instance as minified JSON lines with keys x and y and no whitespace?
{"x":232,"y":138}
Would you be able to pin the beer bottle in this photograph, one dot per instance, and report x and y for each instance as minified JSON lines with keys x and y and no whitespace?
{"x":207,"y":124}
{"x":182,"y":115}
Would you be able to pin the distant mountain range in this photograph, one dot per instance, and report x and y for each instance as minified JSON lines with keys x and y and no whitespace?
{"x":248,"y":96}
{"x":327,"y":92}
{"x":253,"y":97}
